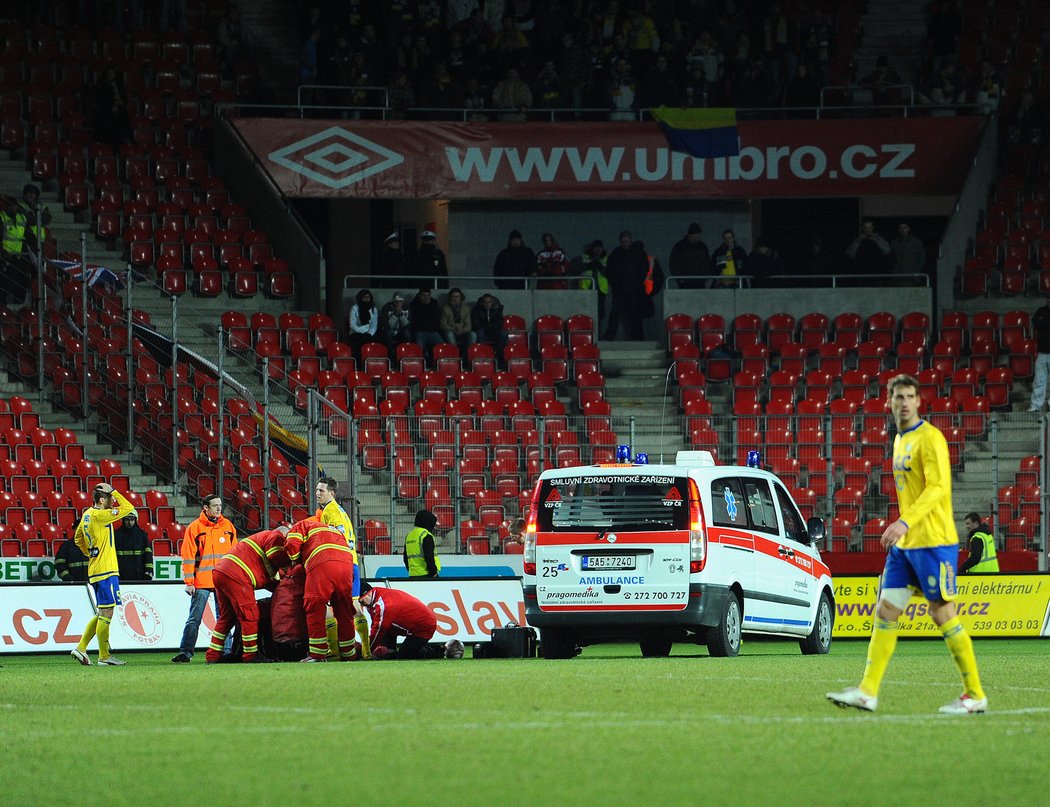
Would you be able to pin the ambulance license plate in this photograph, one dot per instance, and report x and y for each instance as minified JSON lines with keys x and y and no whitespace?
{"x":594,"y":562}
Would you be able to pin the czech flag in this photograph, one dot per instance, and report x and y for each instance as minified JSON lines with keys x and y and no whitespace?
{"x":699,"y":132}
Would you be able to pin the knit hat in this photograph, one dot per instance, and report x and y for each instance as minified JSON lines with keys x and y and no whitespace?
{"x":428,"y":234}
{"x":514,"y":234}
{"x":694,"y":229}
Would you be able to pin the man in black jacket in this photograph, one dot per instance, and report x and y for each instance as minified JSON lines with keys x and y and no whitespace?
{"x":514,"y":263}
{"x":134,"y":553}
{"x":70,"y":563}
{"x":425,"y":314}
{"x":486,"y":320}
{"x":626,"y":270}
{"x":690,"y":259}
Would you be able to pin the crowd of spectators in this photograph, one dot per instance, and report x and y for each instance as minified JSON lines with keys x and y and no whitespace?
{"x":502,"y":58}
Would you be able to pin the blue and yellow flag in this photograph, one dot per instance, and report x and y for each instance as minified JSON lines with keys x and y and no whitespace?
{"x":292,"y":446}
{"x":699,"y":132}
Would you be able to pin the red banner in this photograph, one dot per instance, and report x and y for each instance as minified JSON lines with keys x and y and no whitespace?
{"x":409,"y":160}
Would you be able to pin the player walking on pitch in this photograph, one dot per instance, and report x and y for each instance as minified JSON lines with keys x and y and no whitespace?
{"x":923,"y":552}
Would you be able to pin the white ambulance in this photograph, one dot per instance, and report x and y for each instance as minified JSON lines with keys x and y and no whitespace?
{"x":690,"y":552}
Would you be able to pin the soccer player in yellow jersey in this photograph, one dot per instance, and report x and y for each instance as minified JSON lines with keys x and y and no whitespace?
{"x":94,"y":536}
{"x":333,"y":515}
{"x":923,"y":551}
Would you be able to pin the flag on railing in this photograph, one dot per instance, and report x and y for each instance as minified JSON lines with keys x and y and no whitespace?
{"x":699,"y":132}
{"x":292,"y":446}
{"x":96,"y":276}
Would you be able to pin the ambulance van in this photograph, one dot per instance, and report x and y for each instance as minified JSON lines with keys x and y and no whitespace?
{"x":690,"y":552}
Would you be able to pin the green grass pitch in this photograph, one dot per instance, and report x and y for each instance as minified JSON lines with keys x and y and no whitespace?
{"x":606,"y":728}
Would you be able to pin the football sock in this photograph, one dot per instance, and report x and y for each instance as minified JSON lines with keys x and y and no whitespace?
{"x":880,"y":651}
{"x":331,"y":627}
{"x":103,"y":637}
{"x":88,"y":634}
{"x":361,"y":623}
{"x":961,"y":647}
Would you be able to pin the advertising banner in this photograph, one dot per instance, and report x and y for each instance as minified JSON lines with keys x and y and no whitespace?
{"x":780,"y":158}
{"x":1014,"y":605}
{"x":46,"y":618}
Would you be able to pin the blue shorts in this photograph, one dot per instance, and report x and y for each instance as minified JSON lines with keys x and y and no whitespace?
{"x":107,"y":592}
{"x":357,"y":581}
{"x":930,"y":569}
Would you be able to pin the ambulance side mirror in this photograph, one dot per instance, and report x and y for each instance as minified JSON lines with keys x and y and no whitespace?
{"x":815,"y":530}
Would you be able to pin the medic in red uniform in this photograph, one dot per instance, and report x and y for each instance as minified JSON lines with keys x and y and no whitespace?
{"x":397,"y":613}
{"x":252,"y":564}
{"x":329,"y":564}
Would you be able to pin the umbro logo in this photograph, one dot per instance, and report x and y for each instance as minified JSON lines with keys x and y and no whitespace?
{"x":336,"y":158}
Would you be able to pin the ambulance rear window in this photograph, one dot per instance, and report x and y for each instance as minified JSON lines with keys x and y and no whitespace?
{"x":638,"y":502}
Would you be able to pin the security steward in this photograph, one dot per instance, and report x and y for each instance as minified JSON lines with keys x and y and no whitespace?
{"x":70,"y":563}
{"x":419,"y":556}
{"x":981,"y":543}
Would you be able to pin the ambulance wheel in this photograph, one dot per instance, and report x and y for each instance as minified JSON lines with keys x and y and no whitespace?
{"x":819,"y":640}
{"x":656,"y":646}
{"x":558,"y":643}
{"x":724,"y":638}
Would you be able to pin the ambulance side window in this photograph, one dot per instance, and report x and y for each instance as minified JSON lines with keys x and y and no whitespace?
{"x":727,"y":503}
{"x":760,"y":505}
{"x":794,"y":525}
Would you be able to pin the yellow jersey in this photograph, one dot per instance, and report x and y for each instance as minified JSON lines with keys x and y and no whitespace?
{"x":922,"y":474}
{"x":94,"y":536}
{"x":334,"y":516}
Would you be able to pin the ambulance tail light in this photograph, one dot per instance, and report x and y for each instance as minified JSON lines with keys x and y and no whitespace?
{"x":697,"y":531}
{"x":529,"y":555}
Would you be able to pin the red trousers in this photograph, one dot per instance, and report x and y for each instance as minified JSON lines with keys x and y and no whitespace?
{"x":237,"y":604}
{"x":329,"y":581}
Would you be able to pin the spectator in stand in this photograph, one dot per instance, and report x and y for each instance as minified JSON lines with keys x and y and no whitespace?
{"x":111,"y":122}
{"x":430,"y":260}
{"x":879,"y":81}
{"x":476,"y":100}
{"x":362,"y":323}
{"x":868,"y":250}
{"x":660,"y":86}
{"x":947,"y":87}
{"x":755,"y":87}
{"x":590,"y":269}
{"x":574,"y":68}
{"x":513,"y":95}
{"x":623,"y":92}
{"x":762,"y":264}
{"x":780,"y":45}
{"x":70,"y":563}
{"x":818,"y":261}
{"x":595,"y":90}
{"x":731,"y":22}
{"x":455,"y":321}
{"x":309,"y":57}
{"x":425,"y":314}
{"x":551,"y":262}
{"x":391,"y":267}
{"x":627,"y":269}
{"x":233,"y":38}
{"x":509,"y":44}
{"x":643,"y":39}
{"x":401,"y":97}
{"x":803,"y":90}
{"x":981,"y":544}
{"x":708,"y":55}
{"x":986,"y":88}
{"x":514,"y":264}
{"x":395,"y":322}
{"x":440,"y":90}
{"x":1026,"y":122}
{"x":909,"y":254}
{"x":486,"y":319}
{"x":1041,"y":329}
{"x":516,"y":531}
{"x":690,"y":259}
{"x":134,"y":553}
{"x":727,"y":261}
{"x":547,"y":88}
{"x":207,"y":539}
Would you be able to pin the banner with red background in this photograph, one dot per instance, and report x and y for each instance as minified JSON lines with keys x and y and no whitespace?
{"x":778,"y":158}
